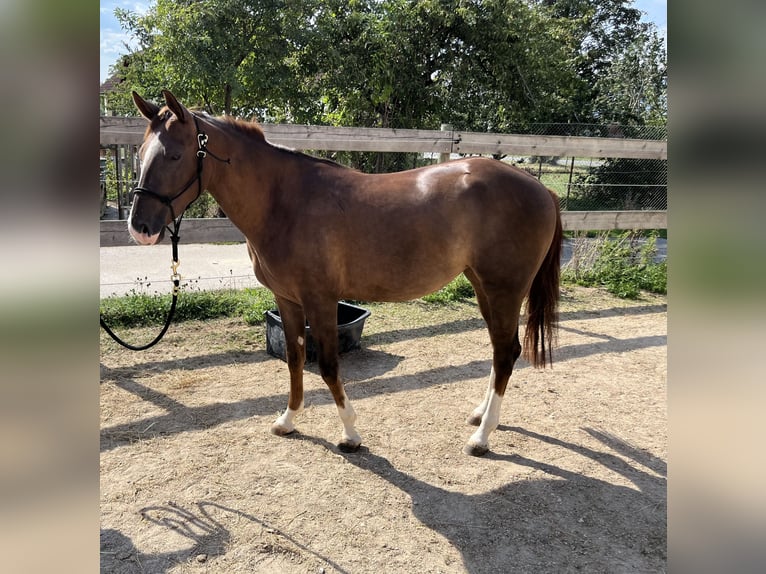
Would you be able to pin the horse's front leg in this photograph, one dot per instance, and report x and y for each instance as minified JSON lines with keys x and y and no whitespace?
{"x":294,"y":325}
{"x":324,"y":329}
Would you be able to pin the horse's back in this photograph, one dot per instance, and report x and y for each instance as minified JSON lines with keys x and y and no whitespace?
{"x":485,"y":202}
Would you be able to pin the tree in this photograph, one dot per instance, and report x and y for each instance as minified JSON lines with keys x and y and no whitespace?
{"x":490,"y":65}
{"x":633,"y":89}
{"x":608,"y":37}
{"x":228,"y":56}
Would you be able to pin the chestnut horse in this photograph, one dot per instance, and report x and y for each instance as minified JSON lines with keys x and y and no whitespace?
{"x":318,"y":232}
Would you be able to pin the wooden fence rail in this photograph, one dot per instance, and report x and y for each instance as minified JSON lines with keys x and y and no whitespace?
{"x":120,"y":130}
{"x":219,"y":230}
{"x":129,"y":131}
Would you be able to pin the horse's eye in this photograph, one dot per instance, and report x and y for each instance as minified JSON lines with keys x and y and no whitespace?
{"x":175,"y":156}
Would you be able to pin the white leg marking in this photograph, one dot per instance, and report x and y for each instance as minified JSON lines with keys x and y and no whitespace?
{"x":351,"y":438}
{"x":478,"y":412}
{"x":479,"y":442}
{"x":300,"y":341}
{"x":285,"y":424}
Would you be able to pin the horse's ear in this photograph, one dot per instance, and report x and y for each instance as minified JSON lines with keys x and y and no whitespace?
{"x":174,"y":105}
{"x":147,"y":109}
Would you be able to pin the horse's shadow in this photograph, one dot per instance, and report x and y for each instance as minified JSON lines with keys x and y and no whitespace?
{"x":568,"y":522}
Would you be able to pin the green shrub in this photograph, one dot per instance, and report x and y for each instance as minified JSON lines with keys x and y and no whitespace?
{"x":459,"y":289}
{"x":623,"y":266}
{"x":203,"y":206}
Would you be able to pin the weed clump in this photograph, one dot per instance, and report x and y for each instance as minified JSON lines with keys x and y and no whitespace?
{"x":623,"y":265}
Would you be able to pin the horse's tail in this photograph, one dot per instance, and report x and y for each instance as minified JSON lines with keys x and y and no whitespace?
{"x":542,"y":302}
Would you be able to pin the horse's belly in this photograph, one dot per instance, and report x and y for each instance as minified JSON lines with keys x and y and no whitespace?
{"x":398,"y":283}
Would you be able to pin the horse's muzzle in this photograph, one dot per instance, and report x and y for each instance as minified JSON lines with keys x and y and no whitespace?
{"x":143,"y":237}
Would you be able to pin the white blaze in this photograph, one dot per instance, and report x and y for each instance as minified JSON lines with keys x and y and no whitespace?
{"x":153,"y":148}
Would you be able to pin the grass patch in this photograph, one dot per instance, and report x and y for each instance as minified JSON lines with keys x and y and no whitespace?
{"x":137,"y":310}
{"x":140,"y":309}
{"x":624,"y":265}
{"x":459,"y":289}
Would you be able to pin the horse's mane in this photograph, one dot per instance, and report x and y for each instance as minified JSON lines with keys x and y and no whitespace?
{"x":253,"y":129}
{"x":249,"y":128}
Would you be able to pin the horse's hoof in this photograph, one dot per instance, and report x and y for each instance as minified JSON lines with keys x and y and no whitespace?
{"x":474,"y":420}
{"x":475,"y":449}
{"x":348,"y":446}
{"x":279,"y":430}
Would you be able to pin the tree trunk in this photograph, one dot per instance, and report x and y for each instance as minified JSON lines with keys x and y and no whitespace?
{"x":227,"y":99}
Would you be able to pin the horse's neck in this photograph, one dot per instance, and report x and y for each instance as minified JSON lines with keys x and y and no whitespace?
{"x":243,"y":188}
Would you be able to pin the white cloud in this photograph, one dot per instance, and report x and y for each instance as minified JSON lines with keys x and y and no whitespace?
{"x":113,"y":42}
{"x":112,"y":37}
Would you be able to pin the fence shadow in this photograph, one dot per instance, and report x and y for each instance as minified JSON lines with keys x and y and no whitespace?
{"x":465,"y":325}
{"x":613,"y":312}
{"x":567,"y":522}
{"x":364,"y":370}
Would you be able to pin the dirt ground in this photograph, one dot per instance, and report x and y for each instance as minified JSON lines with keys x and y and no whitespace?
{"x":192,"y":480}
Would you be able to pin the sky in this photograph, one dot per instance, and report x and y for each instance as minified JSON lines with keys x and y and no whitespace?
{"x":113,"y":38}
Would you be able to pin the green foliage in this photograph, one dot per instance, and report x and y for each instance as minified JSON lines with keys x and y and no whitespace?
{"x":459,"y":289}
{"x":204,"y":206}
{"x":624,"y":266}
{"x":621,"y":184}
{"x":633,"y":88}
{"x":141,"y":309}
{"x":110,"y":177}
{"x":494,"y":65}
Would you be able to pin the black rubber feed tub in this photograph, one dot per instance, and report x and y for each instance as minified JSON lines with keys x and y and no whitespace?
{"x":350,"y":324}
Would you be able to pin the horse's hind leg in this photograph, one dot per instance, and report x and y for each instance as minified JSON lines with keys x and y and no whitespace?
{"x":477,"y":414}
{"x":324,"y":328}
{"x":502,"y":316}
{"x":294,"y":325}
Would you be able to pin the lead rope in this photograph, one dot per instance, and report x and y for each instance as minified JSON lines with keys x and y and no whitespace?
{"x":202,"y":152}
{"x":176,"y":278}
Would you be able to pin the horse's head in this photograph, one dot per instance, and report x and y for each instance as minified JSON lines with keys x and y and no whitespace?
{"x":170,"y":168}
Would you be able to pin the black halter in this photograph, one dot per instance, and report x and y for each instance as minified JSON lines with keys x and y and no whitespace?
{"x":202,"y":153}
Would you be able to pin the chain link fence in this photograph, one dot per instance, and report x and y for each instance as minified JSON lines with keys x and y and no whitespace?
{"x":591,"y":184}
{"x":613,"y":130}
{"x":599,"y":184}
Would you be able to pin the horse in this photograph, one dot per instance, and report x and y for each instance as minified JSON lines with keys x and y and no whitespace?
{"x":318,"y":232}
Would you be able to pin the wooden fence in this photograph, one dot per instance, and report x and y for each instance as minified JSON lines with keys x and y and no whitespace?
{"x":129,"y":131}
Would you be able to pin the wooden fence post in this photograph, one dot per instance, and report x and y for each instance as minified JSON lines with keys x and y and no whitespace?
{"x":445,"y":156}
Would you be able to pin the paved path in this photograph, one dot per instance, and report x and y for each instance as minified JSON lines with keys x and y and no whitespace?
{"x":203,"y":266}
{"x":146,"y":269}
